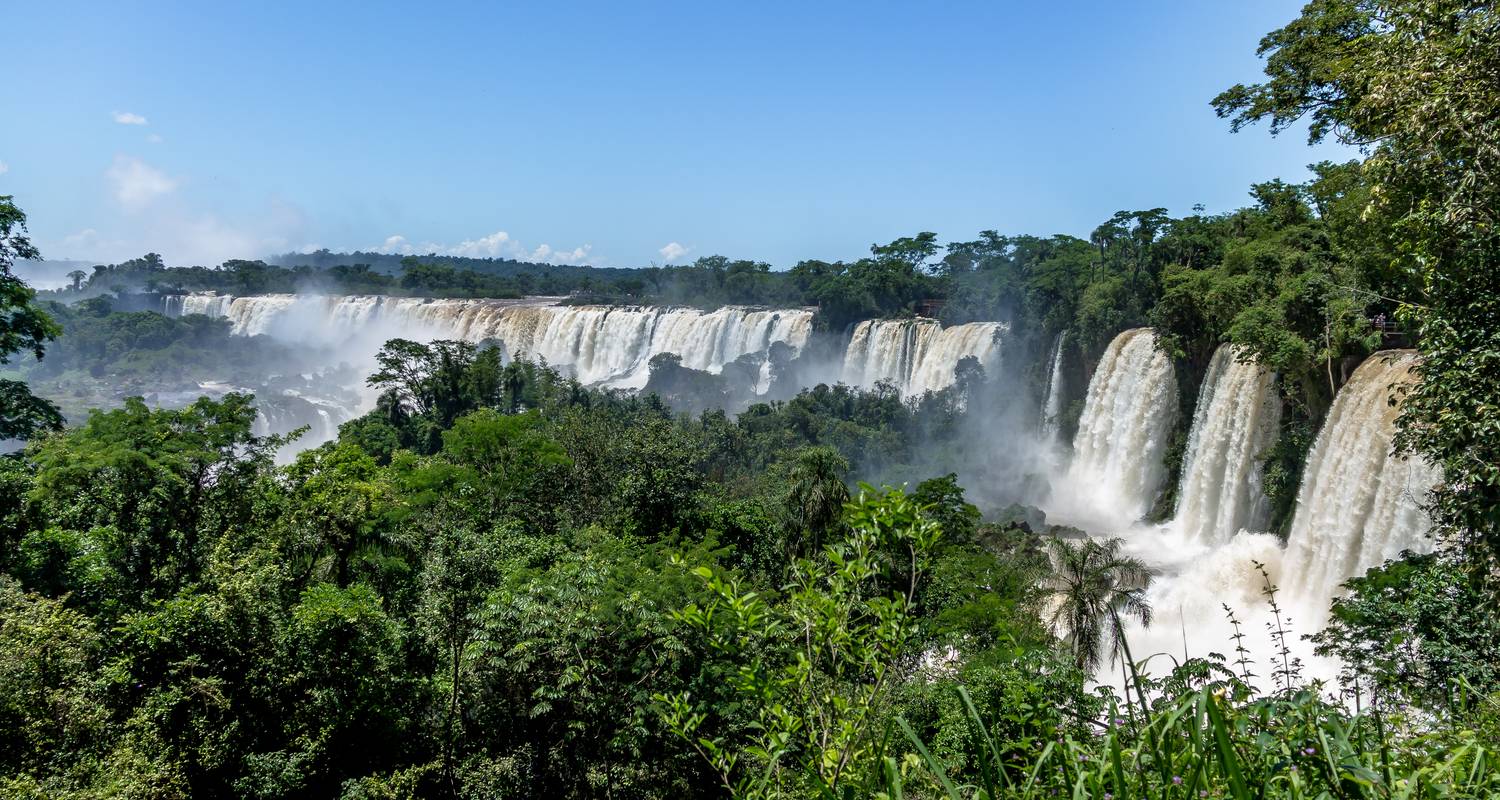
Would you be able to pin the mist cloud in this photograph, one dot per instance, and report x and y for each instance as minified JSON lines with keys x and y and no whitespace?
{"x":135,"y":184}
{"x":148,"y":212}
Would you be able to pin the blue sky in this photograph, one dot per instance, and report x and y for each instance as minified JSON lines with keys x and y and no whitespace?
{"x":615,"y":133}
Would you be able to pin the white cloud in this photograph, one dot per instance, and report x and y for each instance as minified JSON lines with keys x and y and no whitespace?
{"x":576,"y":255}
{"x":394,"y":244}
{"x":499,"y":244}
{"x":135,"y":184}
{"x":127,"y":118}
{"x":671,"y":251}
{"x":154,"y":138}
{"x":492,"y":246}
{"x":4,"y":168}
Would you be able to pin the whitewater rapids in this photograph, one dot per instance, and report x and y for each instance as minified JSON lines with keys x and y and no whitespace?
{"x":1360,"y":503}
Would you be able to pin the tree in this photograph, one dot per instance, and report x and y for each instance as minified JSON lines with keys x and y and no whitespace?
{"x":1096,"y":589}
{"x":461,"y":564}
{"x":338,"y":512}
{"x":509,"y":460}
{"x":944,"y":500}
{"x":1413,"y":630}
{"x":49,"y":698}
{"x":22,"y":414}
{"x":14,"y":243}
{"x":1417,"y":83}
{"x":23,"y":326}
{"x":816,"y":495}
{"x":78,"y":276}
{"x":814,"y":672}
{"x":145,"y":491}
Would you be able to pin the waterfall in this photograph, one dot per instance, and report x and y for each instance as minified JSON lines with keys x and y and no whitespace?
{"x":607,"y":345}
{"x":1052,"y":402}
{"x":285,"y":411}
{"x":1235,"y":421}
{"x":1117,"y":453}
{"x":206,"y":303}
{"x":918,"y":355}
{"x":1359,"y":503}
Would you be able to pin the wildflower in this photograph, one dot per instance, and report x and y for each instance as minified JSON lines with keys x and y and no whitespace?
{"x":1176,"y":780}
{"x":1310,"y":751}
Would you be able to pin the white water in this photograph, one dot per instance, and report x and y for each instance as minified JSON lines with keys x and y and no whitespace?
{"x":1052,"y":402}
{"x":603,"y":345}
{"x":918,"y":355}
{"x":211,"y":305}
{"x":1233,"y":425}
{"x":284,"y":413}
{"x":1360,"y":503}
{"x":1117,"y":468}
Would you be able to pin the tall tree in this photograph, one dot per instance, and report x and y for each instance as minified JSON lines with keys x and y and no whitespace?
{"x":815,"y":499}
{"x":23,"y":326}
{"x":1096,"y":589}
{"x":1417,"y":83}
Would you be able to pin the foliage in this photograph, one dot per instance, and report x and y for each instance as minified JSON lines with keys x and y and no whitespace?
{"x":1207,"y":735}
{"x":815,"y":671}
{"x":1415,"y":82}
{"x":502,"y":583}
{"x":23,"y":327}
{"x":1095,"y":589}
{"x":1414,"y":632}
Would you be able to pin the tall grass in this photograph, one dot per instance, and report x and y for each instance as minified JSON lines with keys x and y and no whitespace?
{"x":1208,"y":744}
{"x":1205,"y":732}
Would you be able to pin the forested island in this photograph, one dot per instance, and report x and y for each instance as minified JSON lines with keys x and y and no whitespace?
{"x":1199,"y":506}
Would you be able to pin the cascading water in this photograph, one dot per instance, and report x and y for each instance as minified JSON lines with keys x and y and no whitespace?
{"x":1235,"y":422}
{"x":1052,"y":401}
{"x":918,"y":355}
{"x":604,"y":345}
{"x":1117,"y":453}
{"x":181,"y":305}
{"x":1360,"y":503}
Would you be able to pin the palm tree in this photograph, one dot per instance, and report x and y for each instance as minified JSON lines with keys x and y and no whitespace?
{"x":1095,"y":589}
{"x":817,"y":494}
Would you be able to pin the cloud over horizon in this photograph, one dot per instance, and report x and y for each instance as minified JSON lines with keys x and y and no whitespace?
{"x":499,"y":244}
{"x":672,"y":251}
